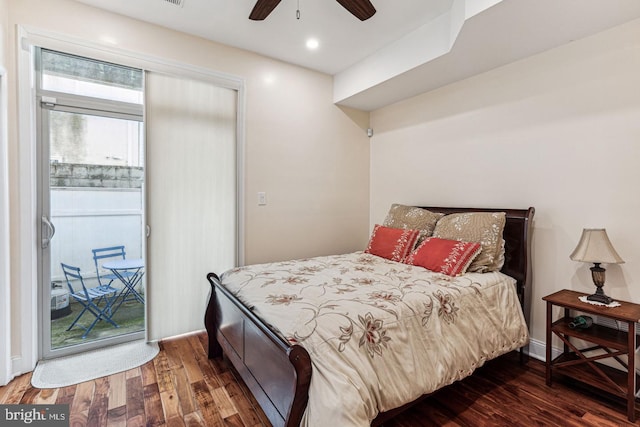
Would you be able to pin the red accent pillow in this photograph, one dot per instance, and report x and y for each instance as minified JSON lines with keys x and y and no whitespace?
{"x":391,"y":243}
{"x":451,"y":257}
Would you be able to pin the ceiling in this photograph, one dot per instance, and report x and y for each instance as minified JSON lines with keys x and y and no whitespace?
{"x":407,"y":47}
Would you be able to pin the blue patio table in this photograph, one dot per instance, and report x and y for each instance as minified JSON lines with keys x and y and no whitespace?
{"x":129,"y":272}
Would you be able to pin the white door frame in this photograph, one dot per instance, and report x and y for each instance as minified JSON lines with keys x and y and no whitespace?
{"x":27,"y":231}
{"x":5,"y":276}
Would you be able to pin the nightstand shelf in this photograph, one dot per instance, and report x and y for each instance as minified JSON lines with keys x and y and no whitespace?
{"x":578,"y":363}
{"x":605,"y":336}
{"x":578,"y":373}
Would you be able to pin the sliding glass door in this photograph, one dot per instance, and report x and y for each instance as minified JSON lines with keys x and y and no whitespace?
{"x":92,"y":193}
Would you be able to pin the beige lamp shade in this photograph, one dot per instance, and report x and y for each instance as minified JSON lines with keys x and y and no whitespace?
{"x":595,"y":246}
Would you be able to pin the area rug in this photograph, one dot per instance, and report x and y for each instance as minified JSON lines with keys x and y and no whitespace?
{"x":77,"y":368}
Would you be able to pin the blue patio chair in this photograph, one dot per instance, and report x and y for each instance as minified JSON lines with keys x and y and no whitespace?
{"x":99,"y":255}
{"x":90,"y":298}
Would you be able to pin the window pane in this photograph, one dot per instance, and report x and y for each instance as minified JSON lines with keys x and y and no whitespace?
{"x":82,"y":76}
{"x":95,"y":140}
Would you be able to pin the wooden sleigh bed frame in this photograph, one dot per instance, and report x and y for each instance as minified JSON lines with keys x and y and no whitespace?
{"x":278,"y":373}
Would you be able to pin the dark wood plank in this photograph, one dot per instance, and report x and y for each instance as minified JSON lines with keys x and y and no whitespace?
{"x":65,"y":395}
{"x":135,"y":402}
{"x":163,"y":372}
{"x":206,"y":404}
{"x":183,"y":391}
{"x":153,"y":406}
{"x":29,"y":395}
{"x":172,"y":353}
{"x":16,"y":389}
{"x":97,"y":415}
{"x":46,"y":396}
{"x":245,"y":406}
{"x":148,"y":374}
{"x":79,"y":409}
{"x":117,"y":417}
{"x":207,"y":370}
{"x":234,"y":421}
{"x":171,"y":407}
{"x":176,"y":422}
{"x":188,"y":360}
{"x":503,"y":392}
{"x":194,"y":419}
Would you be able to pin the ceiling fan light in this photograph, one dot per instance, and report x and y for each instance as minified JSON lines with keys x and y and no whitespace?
{"x":179,"y":3}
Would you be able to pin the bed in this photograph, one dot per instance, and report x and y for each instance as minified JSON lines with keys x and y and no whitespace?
{"x":376,"y":333}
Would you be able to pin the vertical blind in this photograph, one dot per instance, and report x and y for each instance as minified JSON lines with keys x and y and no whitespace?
{"x":191,"y":165}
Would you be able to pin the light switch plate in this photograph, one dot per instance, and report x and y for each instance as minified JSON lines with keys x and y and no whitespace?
{"x":262,"y":198}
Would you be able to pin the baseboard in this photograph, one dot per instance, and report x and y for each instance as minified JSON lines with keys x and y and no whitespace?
{"x":538,"y":350}
{"x":16,"y":366}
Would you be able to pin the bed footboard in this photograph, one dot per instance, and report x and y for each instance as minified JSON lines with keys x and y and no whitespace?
{"x":278,"y":374}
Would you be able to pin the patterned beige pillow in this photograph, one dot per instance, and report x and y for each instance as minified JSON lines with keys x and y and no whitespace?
{"x":412,"y":218}
{"x":483,"y":227}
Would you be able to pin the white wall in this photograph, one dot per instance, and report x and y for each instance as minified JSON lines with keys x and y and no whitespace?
{"x":559,"y":131}
{"x":309,"y":156}
{"x":90,"y":218}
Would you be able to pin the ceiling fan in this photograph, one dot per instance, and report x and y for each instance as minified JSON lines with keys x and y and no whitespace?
{"x":361,"y":9}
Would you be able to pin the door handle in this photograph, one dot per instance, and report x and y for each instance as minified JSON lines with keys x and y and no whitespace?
{"x":51,"y":231}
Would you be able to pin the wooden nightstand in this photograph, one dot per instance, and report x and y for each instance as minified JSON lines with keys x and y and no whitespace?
{"x":579,"y":363}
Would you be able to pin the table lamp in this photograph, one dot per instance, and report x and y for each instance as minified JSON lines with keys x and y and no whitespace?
{"x":594,"y":246}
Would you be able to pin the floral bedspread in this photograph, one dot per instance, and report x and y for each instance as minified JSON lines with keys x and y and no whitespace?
{"x":380,"y":333}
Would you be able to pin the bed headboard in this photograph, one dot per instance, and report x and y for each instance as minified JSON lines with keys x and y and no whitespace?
{"x":517,"y":237}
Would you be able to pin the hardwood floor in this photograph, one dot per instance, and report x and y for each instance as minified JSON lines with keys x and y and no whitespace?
{"x":181,"y":387}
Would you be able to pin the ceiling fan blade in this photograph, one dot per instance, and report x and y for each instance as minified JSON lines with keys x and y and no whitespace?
{"x":361,"y":9}
{"x":262,"y":9}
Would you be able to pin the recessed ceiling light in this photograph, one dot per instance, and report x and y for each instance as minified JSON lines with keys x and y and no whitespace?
{"x":269,"y":79}
{"x":312,"y":44}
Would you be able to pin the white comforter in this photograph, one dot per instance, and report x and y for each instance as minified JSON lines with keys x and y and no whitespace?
{"x":380,"y":333}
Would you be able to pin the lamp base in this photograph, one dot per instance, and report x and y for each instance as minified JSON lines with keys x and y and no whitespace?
{"x":598,"y":275}
{"x":600,"y":297}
